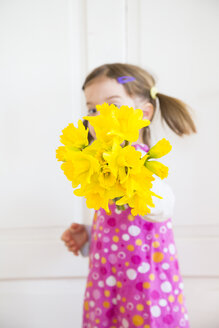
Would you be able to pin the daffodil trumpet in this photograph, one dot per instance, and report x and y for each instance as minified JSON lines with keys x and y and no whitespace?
{"x":110,"y":168}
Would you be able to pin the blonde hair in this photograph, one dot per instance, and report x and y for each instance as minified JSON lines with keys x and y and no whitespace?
{"x":173,"y":111}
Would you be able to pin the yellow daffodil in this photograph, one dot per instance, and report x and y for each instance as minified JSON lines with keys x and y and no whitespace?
{"x":83,"y":166}
{"x":122,"y":160}
{"x":61,"y":154}
{"x":73,"y":137}
{"x":157,"y":168}
{"x":139,"y":202}
{"x":161,"y":148}
{"x":110,"y":168}
{"x":130,"y":122}
{"x":106,"y":178}
{"x":138,"y":181}
{"x":105,"y":122}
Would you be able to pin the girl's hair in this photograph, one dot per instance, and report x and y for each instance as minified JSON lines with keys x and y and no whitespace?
{"x":173,"y":111}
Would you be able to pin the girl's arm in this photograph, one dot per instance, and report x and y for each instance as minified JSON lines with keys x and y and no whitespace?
{"x":84,"y":250}
{"x":163,"y":209}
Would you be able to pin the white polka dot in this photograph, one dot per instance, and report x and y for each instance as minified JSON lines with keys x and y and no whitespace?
{"x":97,"y":256}
{"x":165,"y":266}
{"x":96,"y":294}
{"x":131,"y":274}
{"x":125,"y":323}
{"x":163,"y":229}
{"x":92,"y":303}
{"x":176,"y":292}
{"x":165,"y":250}
{"x":123,"y":226}
{"x":137,"y":297}
{"x":117,"y":211}
{"x":182,"y":322}
{"x":155,"y":311}
{"x":106,"y":250}
{"x":106,"y":239}
{"x":111,"y":281}
{"x":181,"y":285}
{"x":100,"y":283}
{"x":169,"y":225}
{"x":114,"y":301}
{"x":163,"y":276}
{"x":125,"y":237}
{"x":162,"y":302}
{"x":144,"y":267}
{"x":166,"y":287}
{"x":134,"y":230}
{"x":114,"y":247}
{"x":145,"y":247}
{"x":186,"y":316}
{"x":172,"y":249}
{"x":175,"y":308}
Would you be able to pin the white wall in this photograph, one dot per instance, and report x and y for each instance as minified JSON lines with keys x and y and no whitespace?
{"x":46,"y":49}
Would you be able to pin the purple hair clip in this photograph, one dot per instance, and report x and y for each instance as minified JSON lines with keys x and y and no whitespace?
{"x":125,"y":79}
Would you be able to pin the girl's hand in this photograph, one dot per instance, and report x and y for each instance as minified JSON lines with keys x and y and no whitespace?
{"x":75,"y":237}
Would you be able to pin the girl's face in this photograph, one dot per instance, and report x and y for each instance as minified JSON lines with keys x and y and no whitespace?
{"x":108,"y":90}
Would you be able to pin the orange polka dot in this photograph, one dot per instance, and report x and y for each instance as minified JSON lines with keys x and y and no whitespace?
{"x":182,"y":310}
{"x":103,"y":260}
{"x":146,"y":285}
{"x":115,"y":239}
{"x":107,"y":293}
{"x":152,"y":276}
{"x":100,"y":228}
{"x":138,"y":242}
{"x":87,"y":315}
{"x":137,"y":320}
{"x":130,"y":248}
{"x":114,"y":320}
{"x":97,"y":320}
{"x":86,"y":306}
{"x":156,"y":235}
{"x":119,"y":284}
{"x":113,"y":269}
{"x":109,"y":213}
{"x":171,"y":298}
{"x":106,"y":304}
{"x":131,"y":217}
{"x":140,"y":307}
{"x":156,"y":244}
{"x":116,"y":230}
{"x":146,"y":326}
{"x":148,"y":302}
{"x":171,"y":258}
{"x":123,"y":299}
{"x":122,"y":309}
{"x":158,"y":257}
{"x":90,"y":284}
{"x":175,"y":278}
{"x":180,"y":298}
{"x":126,"y":263}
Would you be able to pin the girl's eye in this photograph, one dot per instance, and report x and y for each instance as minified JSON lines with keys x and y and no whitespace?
{"x":116,"y":105}
{"x":92,"y":111}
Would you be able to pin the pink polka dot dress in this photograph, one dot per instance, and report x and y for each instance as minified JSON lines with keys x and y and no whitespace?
{"x":134,"y":278}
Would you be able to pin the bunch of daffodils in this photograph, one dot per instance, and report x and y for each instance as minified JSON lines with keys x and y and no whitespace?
{"x":110,"y":168}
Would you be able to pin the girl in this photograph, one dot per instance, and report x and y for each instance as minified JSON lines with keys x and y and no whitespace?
{"x":134,"y":278}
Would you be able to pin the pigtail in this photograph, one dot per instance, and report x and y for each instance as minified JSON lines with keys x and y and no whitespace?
{"x":90,"y":138}
{"x":176,"y":115}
